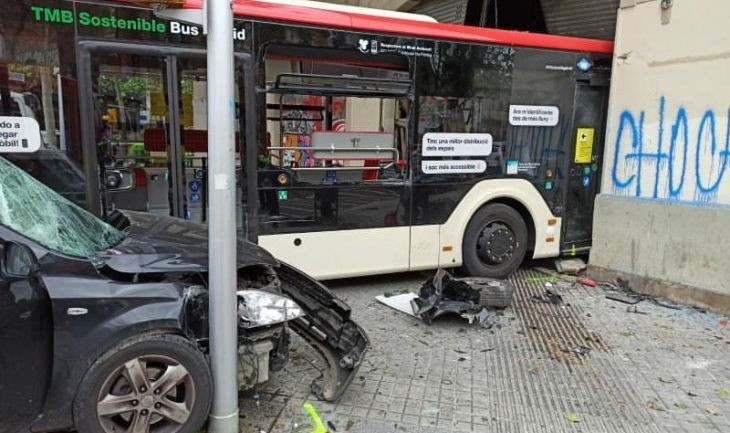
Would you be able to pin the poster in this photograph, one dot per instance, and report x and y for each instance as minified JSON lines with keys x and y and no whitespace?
{"x":455,"y":144}
{"x":584,"y":145}
{"x":533,"y":115}
{"x":19,"y":135}
{"x":453,"y":167}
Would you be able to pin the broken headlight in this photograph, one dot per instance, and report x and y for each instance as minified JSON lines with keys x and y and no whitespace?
{"x":257,"y":308}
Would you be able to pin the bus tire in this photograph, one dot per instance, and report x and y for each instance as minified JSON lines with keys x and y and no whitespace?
{"x":495,"y":242}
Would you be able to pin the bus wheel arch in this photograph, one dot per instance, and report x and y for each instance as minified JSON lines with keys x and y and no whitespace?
{"x":497,"y":238}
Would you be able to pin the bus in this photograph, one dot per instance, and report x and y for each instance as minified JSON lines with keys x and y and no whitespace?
{"x":367,"y":142}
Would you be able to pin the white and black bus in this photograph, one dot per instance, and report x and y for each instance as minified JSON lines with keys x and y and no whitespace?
{"x":368,"y":141}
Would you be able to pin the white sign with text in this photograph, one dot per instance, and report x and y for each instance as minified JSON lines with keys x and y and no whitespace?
{"x":452,"y":167}
{"x":533,"y":115}
{"x":452,"y":144}
{"x":19,"y":135}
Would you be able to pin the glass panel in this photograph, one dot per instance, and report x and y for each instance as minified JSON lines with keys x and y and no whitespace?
{"x":330,"y":149}
{"x":133,"y":131}
{"x":34,"y":210}
{"x":37,"y":68}
{"x":194,"y":138}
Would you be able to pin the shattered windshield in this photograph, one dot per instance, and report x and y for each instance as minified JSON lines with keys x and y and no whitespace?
{"x":36,"y":211}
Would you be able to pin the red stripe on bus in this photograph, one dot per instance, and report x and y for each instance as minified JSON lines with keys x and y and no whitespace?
{"x":368,"y":23}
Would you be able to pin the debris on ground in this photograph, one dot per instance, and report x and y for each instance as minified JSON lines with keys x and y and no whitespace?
{"x":549,"y":297}
{"x":634,"y":309}
{"x":580,"y":350}
{"x":570,"y":266}
{"x":442,"y":294}
{"x":680,"y":405}
{"x":626,"y":299}
{"x":622,"y":292}
{"x":399,"y":302}
{"x":572,"y":417}
{"x":653,"y":405}
{"x":588,"y":282}
{"x":711,"y":411}
{"x":314,"y":416}
{"x":627,"y":333}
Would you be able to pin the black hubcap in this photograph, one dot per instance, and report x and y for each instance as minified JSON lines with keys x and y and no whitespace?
{"x":496,"y":243}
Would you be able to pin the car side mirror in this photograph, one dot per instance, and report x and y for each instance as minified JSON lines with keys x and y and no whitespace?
{"x":19,"y":261}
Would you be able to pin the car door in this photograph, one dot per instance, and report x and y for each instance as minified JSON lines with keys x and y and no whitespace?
{"x":25,"y":345}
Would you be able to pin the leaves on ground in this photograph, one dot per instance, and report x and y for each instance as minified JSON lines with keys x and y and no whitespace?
{"x":722,"y":392}
{"x":627,"y":333}
{"x":695,"y":346}
{"x":665,"y":380}
{"x":680,"y":405}
{"x":572,"y":417}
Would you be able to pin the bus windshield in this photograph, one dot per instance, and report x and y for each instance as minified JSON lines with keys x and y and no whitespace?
{"x":34,"y":210}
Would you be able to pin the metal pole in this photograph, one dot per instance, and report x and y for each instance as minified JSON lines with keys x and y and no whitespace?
{"x":222,"y":218}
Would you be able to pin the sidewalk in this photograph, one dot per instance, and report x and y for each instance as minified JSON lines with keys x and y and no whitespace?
{"x":662,"y":371}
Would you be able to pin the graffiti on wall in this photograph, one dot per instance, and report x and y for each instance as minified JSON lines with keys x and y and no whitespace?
{"x":679,"y":156}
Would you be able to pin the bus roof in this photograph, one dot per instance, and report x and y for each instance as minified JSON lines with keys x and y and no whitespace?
{"x":366,"y":20}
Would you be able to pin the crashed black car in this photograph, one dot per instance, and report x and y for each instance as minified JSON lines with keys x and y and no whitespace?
{"x":103,"y":326}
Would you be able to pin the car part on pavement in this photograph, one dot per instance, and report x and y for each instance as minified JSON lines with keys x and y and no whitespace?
{"x":445,"y":294}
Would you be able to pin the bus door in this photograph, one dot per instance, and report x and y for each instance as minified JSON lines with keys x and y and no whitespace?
{"x":145,"y":128}
{"x":584,"y":165}
{"x":333,"y":177}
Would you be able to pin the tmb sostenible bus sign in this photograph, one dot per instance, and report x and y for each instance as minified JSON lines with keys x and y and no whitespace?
{"x":19,"y":135}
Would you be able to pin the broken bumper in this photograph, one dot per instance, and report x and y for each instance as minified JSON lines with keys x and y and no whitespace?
{"x":328,"y":328}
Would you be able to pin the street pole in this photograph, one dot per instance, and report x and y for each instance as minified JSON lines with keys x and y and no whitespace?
{"x":222,"y":216}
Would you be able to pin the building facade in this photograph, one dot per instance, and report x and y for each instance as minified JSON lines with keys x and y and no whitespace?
{"x":662,"y":220}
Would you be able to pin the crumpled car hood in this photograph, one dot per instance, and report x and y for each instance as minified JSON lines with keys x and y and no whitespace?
{"x":165,"y":244}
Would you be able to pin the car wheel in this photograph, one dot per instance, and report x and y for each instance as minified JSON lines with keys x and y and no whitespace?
{"x":151,"y":383}
{"x":495,"y":242}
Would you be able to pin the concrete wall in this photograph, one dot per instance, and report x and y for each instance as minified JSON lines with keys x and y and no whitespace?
{"x":664,"y":211}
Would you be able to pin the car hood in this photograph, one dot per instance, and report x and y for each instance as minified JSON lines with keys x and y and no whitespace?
{"x":164,"y":244}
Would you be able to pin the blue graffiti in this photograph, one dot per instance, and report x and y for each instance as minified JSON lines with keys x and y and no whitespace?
{"x":710,"y":162}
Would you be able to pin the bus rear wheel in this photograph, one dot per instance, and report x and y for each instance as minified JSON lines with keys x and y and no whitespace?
{"x":495,"y":242}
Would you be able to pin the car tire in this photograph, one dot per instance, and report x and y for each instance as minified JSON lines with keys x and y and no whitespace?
{"x":495,"y":242}
{"x":170,"y":390}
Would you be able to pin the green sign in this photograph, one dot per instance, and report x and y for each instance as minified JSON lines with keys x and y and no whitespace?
{"x":66,"y":16}
{"x":283,"y":195}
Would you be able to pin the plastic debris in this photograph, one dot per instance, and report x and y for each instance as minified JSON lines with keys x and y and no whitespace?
{"x":312,"y":412}
{"x":588,"y":282}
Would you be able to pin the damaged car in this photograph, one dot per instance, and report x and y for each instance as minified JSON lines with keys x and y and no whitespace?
{"x":105,"y":323}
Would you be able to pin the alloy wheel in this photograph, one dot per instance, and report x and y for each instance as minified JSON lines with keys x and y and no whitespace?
{"x":147,"y":394}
